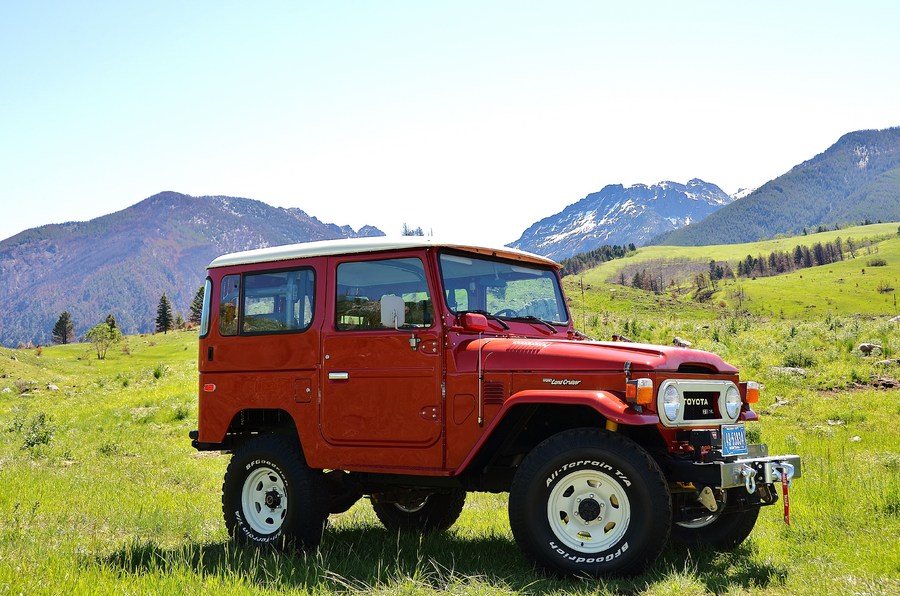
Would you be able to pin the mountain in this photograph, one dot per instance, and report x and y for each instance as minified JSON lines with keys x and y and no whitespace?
{"x":619,"y":215}
{"x":122,"y":263}
{"x":855,"y":180}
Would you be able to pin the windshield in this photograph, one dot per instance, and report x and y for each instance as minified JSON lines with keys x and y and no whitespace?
{"x":507,"y":289}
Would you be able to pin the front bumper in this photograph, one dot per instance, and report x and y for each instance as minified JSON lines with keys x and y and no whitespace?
{"x":755,"y":468}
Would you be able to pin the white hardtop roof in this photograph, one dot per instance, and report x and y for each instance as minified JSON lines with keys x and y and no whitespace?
{"x":363,"y":245}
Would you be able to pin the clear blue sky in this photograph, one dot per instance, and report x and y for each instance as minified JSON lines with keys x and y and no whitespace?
{"x":472,"y":119}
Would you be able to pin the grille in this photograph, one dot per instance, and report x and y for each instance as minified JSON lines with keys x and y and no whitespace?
{"x":701,"y":405}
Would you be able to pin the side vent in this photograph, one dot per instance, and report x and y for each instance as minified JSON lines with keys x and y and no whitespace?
{"x":494,"y":393}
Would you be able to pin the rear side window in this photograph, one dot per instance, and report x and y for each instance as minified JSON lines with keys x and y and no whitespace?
{"x":278,"y":301}
{"x":229,"y":302}
{"x":207,"y":302}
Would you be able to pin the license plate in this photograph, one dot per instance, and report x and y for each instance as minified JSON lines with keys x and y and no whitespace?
{"x":734,"y":440}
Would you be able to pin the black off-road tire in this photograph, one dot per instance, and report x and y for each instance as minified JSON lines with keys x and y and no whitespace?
{"x":271,"y":497}
{"x":434,"y":512}
{"x":590,"y":502}
{"x":722,"y":531}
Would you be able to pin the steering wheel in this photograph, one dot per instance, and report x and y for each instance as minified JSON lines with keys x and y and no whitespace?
{"x":506,"y":312}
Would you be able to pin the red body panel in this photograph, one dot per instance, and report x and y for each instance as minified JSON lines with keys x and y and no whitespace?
{"x":421,"y":400}
{"x":565,"y":355}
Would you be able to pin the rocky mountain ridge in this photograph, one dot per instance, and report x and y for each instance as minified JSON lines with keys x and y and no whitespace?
{"x":855,"y":180}
{"x":620,"y":215}
{"x":121,"y":263}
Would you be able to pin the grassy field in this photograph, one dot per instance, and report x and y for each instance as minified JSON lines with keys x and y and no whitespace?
{"x":100,"y":491}
{"x":853,"y":286}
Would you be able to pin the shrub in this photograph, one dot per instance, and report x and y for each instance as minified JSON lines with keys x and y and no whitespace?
{"x":876,"y":262}
{"x":181,"y":413}
{"x":754,"y":433}
{"x":160,"y":371}
{"x":16,"y":424}
{"x":25,"y":386}
{"x":797,"y":358}
{"x":40,"y":431}
{"x":109,"y":448}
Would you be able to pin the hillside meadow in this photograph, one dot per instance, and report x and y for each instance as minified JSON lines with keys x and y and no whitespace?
{"x":101,"y":492}
{"x":865,"y":284}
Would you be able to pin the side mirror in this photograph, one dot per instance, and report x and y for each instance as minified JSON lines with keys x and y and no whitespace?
{"x":393,"y":311}
{"x":474,"y":322}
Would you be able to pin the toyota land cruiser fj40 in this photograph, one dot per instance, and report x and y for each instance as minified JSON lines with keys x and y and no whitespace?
{"x":412,"y":372}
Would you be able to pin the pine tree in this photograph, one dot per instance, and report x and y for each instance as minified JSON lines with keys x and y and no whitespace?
{"x":64,"y":330}
{"x":409,"y":231}
{"x":164,"y":320}
{"x":197,"y":306}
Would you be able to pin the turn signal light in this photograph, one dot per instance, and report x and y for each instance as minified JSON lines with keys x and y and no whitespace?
{"x":209,"y":387}
{"x":752,"y":395}
{"x":639,"y":391}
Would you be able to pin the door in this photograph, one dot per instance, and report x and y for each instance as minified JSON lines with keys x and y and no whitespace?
{"x":382,"y":374}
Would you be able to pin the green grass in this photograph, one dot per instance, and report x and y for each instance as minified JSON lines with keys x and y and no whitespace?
{"x":849,"y":286}
{"x":109,"y":497}
{"x":734,"y":252}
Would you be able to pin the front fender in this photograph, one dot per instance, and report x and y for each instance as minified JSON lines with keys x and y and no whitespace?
{"x":605,"y":403}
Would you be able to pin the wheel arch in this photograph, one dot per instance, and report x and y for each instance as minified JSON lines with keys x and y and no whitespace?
{"x":529,"y":417}
{"x":250,"y":422}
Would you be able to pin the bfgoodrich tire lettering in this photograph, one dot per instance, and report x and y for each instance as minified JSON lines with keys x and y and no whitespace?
{"x":590,"y":502}
{"x":270,"y":496}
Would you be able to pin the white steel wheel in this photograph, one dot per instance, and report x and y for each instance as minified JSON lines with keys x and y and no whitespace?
{"x":588,"y":511}
{"x":429,"y":512}
{"x":723,"y":530}
{"x":271,"y":497}
{"x":589,"y":502}
{"x":702,"y":522}
{"x":412,"y":507}
{"x":264,"y":500}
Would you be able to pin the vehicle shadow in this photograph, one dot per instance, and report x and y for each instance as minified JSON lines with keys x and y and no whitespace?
{"x":372,"y":558}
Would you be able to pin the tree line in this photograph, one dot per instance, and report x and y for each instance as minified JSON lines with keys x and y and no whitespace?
{"x":800,"y":257}
{"x":586,"y":260}
{"x":775,"y":263}
{"x":107,"y":333}
{"x":671,"y":274}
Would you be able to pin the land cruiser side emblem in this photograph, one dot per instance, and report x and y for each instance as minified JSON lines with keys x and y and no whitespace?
{"x":568,"y":382}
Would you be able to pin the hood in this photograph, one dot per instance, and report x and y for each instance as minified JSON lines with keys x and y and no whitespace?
{"x":510,"y":354}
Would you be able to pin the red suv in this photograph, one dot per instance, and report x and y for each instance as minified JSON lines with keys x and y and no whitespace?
{"x":411,"y":372}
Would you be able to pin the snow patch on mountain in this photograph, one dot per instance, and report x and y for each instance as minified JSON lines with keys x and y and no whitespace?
{"x":620,"y":215}
{"x":741,"y":193}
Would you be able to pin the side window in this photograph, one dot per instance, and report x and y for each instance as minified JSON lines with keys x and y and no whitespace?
{"x":229,"y":301}
{"x":363,"y":286}
{"x":458,"y":299}
{"x":278,"y":301}
{"x":207,"y":304}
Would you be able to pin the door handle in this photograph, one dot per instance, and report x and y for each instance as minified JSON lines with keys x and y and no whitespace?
{"x":338,"y":376}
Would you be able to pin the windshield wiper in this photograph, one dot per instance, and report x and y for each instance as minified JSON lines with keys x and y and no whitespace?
{"x":487,"y":315}
{"x":534,"y":319}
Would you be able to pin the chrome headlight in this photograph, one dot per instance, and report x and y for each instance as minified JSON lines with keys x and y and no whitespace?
{"x":732,"y":402}
{"x":672,"y":403}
